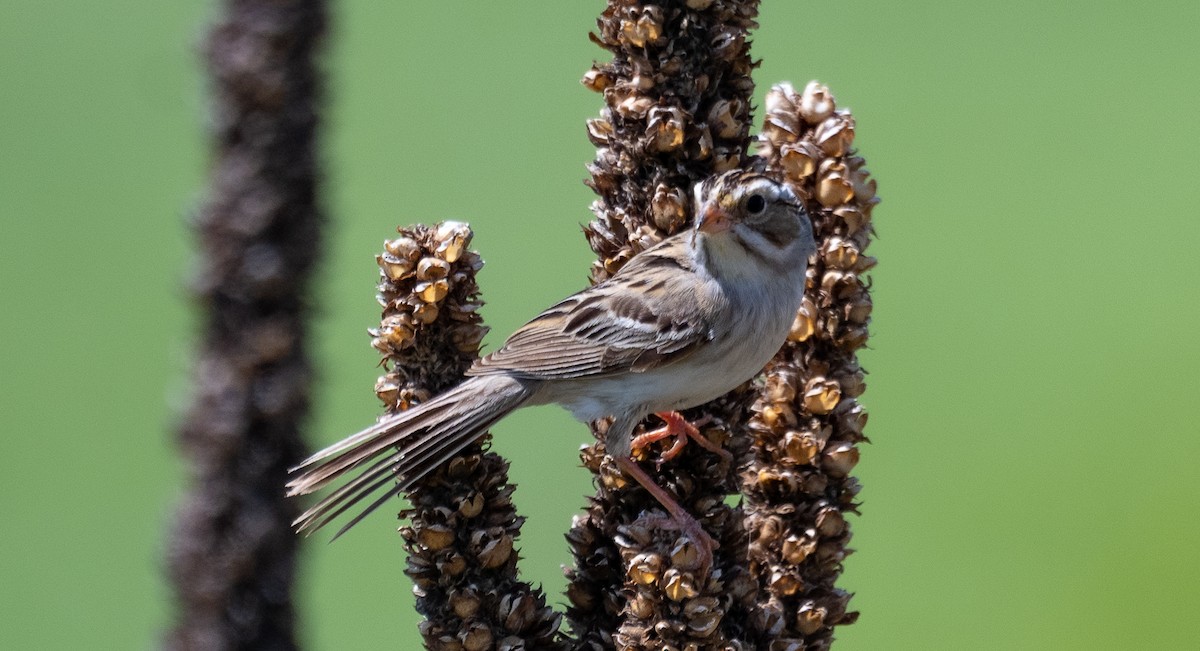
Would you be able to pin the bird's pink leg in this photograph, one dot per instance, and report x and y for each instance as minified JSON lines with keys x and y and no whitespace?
{"x":677,"y":426}
{"x":682,"y":519}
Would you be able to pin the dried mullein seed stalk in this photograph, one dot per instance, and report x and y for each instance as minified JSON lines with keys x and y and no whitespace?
{"x":462,"y":523}
{"x":676,"y":110}
{"x":232,"y":552}
{"x":807,"y":421}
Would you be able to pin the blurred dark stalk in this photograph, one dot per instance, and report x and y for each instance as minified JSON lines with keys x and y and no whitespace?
{"x":232,"y":553}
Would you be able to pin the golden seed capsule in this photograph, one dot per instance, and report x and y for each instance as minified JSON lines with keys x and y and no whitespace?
{"x":669,"y":208}
{"x":432,"y":292}
{"x":834,"y":190}
{"x":821,"y":395}
{"x":686,"y":554}
{"x":722,"y":121}
{"x":816,"y":103}
{"x":781,"y":387}
{"x":599,"y":131}
{"x":854,"y":218}
{"x":472,"y":506}
{"x":453,"y":238}
{"x":596,"y":80}
{"x":780,"y":99}
{"x":387,"y":389}
{"x":797,"y":548}
{"x":435,"y":536}
{"x":465,"y":603}
{"x":664,"y":128}
{"x":395,"y":268}
{"x":830,"y":522}
{"x":641,"y":606}
{"x":405,"y":248}
{"x":839,"y":459}
{"x":835,"y":135}
{"x":496,"y":552}
{"x":634,"y":106}
{"x":645,"y":568}
{"x":784,"y":583}
{"x":800,"y":447}
{"x":432,"y":268}
{"x":839,"y":253}
{"x":799,"y":160}
{"x":810,"y":618}
{"x":805,"y":323}
{"x":679,"y":585}
{"x":425,"y":313}
{"x":477,"y":636}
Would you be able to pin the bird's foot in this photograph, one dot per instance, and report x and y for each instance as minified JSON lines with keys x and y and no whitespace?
{"x":679,"y":518}
{"x":678,"y":427}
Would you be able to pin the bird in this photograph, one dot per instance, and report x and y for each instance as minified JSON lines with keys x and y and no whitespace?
{"x":682,"y":323}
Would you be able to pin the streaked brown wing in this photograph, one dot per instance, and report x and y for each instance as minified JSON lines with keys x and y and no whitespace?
{"x":633,"y":322}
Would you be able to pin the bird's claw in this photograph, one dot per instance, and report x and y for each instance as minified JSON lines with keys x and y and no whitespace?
{"x":678,"y":427}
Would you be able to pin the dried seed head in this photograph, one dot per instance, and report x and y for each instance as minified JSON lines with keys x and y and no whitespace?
{"x":834,"y":189}
{"x":817,"y":103}
{"x":599,"y":131}
{"x":784,"y":582}
{"x":596,"y":80}
{"x":799,"y":160}
{"x":830,"y":522}
{"x":452,"y":239}
{"x":496,"y":552}
{"x":821,"y":395}
{"x":465,"y":603}
{"x":669,"y":207}
{"x":805,"y":323}
{"x":802,"y":458}
{"x":665,"y":129}
{"x":840,"y":459}
{"x":387,"y":389}
{"x":432,"y":292}
{"x":425,"y":313}
{"x":796,"y":548}
{"x":432,"y":268}
{"x":810,"y":618}
{"x":801,"y":447}
{"x":679,"y":585}
{"x":396,"y":268}
{"x":403,"y":248}
{"x":476,"y":636}
{"x":722,"y":121}
{"x":435,"y":536}
{"x":685,"y":555}
{"x":839,"y":253}
{"x":645,"y":569}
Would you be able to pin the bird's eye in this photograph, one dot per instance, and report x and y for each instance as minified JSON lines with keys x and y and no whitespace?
{"x":756,"y":204}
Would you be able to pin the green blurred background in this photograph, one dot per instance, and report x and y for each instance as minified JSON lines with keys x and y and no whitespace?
{"x":1031,"y":484}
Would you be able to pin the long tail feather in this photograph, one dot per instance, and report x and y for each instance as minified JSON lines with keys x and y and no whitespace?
{"x":403,"y":448}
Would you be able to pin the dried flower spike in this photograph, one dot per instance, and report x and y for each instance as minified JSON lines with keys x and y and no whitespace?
{"x":807,"y":421}
{"x":462,"y":523}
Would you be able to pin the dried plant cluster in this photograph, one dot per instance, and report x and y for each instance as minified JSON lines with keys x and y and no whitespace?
{"x":232,"y":552}
{"x":463,"y":526}
{"x":676,"y":110}
{"x":807,"y":421}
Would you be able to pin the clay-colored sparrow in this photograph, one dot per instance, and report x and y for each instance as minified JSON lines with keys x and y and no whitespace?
{"x":682,"y":323}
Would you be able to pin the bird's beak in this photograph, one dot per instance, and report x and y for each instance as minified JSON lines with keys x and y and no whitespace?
{"x":713,"y":219}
